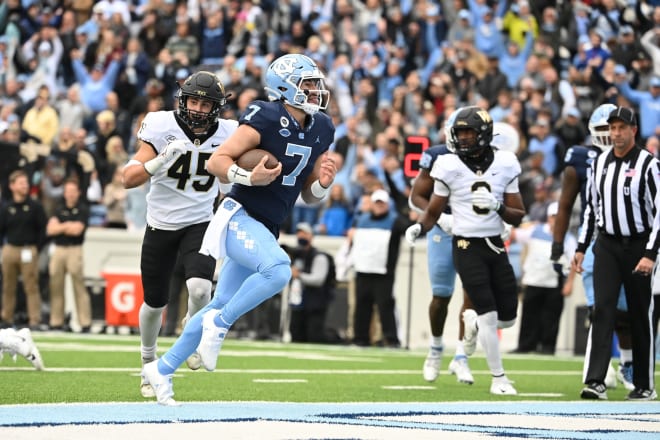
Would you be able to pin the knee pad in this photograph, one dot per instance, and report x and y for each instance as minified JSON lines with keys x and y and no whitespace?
{"x":506,"y":324}
{"x":199,"y":289}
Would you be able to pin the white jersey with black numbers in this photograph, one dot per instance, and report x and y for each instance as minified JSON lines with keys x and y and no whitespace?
{"x":182,"y":192}
{"x":455,"y":180}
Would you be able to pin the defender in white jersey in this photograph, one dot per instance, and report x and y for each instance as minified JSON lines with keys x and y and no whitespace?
{"x":174,"y":147}
{"x":481,"y":185}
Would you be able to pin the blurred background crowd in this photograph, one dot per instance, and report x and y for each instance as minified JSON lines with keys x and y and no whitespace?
{"x":78,"y":76}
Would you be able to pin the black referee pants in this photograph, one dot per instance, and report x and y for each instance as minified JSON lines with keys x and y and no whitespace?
{"x":614,"y":261}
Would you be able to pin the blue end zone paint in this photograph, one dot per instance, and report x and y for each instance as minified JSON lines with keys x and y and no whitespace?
{"x":616,"y":420}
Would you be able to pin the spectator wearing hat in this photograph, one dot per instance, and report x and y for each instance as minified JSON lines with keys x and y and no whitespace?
{"x":490,"y":85}
{"x":627,"y":47}
{"x":92,"y":26}
{"x":570,"y":129}
{"x":311,"y":288}
{"x":545,"y":141}
{"x":488,"y":38}
{"x":546,"y":284}
{"x":43,"y":52}
{"x":461,"y":30}
{"x":513,"y":60}
{"x":519,"y":22}
{"x":375,"y":239}
{"x":648,"y":103}
{"x":550,"y":28}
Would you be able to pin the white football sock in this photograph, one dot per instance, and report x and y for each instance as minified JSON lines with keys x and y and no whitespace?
{"x":150,"y":322}
{"x":490,"y":342}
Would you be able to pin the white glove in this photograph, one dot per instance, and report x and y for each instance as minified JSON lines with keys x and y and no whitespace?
{"x":446,"y":223}
{"x":171,"y":151}
{"x":484,"y":199}
{"x":506,"y":234}
{"x":174,"y":149}
{"x":412,"y":233}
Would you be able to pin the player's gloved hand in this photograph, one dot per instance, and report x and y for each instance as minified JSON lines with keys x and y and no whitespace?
{"x":506,"y":234}
{"x":171,"y":151}
{"x":557,"y":251}
{"x":446,"y":223}
{"x":484,"y":199}
{"x":174,"y":149}
{"x":412,"y":233}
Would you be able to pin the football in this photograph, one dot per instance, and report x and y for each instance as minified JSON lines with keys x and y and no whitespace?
{"x":251,"y":158}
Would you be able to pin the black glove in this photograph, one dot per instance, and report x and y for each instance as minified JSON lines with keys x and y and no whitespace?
{"x":557,"y":251}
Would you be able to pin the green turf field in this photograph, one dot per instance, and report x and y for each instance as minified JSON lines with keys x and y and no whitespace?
{"x":100,"y":368}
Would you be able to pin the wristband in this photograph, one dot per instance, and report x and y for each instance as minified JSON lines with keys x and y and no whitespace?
{"x":236,"y":174}
{"x":132,"y":162}
{"x":319,"y":191}
{"x":153,"y":165}
{"x":500,"y":209}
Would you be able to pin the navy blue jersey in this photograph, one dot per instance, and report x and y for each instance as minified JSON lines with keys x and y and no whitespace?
{"x":429,"y":156}
{"x":580,"y":158}
{"x":297,"y":149}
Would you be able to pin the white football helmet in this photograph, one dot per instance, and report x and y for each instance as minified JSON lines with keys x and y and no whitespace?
{"x":285,"y":76}
{"x":599,"y":128}
{"x":505,"y":137}
{"x":448,"y":126}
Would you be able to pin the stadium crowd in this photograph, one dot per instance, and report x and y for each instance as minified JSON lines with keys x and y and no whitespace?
{"x":78,"y":77}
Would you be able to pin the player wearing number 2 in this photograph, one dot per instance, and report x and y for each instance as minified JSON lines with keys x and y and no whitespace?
{"x":246,"y":225}
{"x":174,"y":147}
{"x":481,"y":185}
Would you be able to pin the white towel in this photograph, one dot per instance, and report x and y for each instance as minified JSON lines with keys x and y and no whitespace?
{"x":213,"y":243}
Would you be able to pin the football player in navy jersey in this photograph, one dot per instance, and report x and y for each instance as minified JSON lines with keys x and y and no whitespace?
{"x":173,"y":148}
{"x":245,"y":228}
{"x":481,"y":184}
{"x":577,"y":163}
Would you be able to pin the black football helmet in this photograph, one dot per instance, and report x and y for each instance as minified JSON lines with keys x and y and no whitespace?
{"x":205,"y":85}
{"x":477,"y":119}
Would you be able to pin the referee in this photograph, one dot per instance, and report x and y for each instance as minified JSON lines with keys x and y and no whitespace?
{"x":621,"y":189}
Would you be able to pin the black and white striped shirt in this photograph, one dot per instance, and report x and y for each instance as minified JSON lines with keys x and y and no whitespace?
{"x":621,"y":196}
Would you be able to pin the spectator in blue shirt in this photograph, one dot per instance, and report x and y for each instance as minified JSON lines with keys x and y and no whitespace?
{"x":95,"y":84}
{"x":648,"y":102}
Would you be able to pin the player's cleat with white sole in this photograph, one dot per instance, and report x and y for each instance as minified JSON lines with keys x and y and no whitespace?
{"x":162,"y":384}
{"x":20,"y":343}
{"x":211,"y":342}
{"x":146,"y":389}
{"x":459,"y":366}
{"x":194,"y":361}
{"x":624,"y":375}
{"x":502,"y":386}
{"x":432,"y":363}
{"x":470,"y":335}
